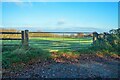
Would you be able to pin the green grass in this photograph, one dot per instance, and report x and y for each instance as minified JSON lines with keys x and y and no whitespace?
{"x":60,"y":43}
{"x":56,"y":43}
{"x":40,"y":48}
{"x":14,"y":55}
{"x":67,"y":39}
{"x":7,"y":42}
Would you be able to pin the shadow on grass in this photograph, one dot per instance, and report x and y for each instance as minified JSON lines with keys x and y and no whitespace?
{"x":59,"y":44}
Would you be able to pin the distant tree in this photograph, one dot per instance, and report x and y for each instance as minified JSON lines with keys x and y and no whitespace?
{"x":72,"y":35}
{"x":80,"y":35}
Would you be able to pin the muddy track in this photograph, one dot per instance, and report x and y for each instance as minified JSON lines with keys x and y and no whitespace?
{"x":87,"y":66}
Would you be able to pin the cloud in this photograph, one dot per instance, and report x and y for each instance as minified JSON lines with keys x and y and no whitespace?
{"x":79,"y":29}
{"x":12,"y":1}
{"x":72,"y":27}
{"x":30,"y":3}
{"x":61,"y":22}
{"x":21,"y":3}
{"x":24,"y":4}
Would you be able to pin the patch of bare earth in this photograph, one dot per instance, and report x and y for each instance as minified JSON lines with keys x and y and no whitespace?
{"x":71,"y":66}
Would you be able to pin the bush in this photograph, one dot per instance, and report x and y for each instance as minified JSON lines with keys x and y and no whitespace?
{"x":112,"y":43}
{"x":101,"y":45}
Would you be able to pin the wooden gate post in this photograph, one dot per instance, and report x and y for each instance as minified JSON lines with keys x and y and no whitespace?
{"x":23,"y":37}
{"x":26,"y":38}
{"x":95,"y":36}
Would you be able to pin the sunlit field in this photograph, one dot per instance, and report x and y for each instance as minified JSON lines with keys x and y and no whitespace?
{"x":54,"y":43}
{"x":60,"y":43}
{"x":40,"y":47}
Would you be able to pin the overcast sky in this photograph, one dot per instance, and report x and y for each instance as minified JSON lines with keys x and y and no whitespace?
{"x":60,"y":16}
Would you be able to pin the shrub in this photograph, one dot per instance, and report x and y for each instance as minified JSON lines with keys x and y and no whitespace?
{"x":112,"y":43}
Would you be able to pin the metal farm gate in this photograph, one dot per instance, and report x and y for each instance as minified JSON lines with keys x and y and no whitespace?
{"x":49,"y":40}
{"x":60,"y":40}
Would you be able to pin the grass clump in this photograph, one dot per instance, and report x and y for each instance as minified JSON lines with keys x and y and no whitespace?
{"x":18,"y":55}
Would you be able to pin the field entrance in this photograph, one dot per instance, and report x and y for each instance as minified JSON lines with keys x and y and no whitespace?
{"x":60,"y":40}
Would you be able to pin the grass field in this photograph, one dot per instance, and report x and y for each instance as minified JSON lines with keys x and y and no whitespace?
{"x":39,"y":48}
{"x":51,"y":43}
{"x":60,"y":43}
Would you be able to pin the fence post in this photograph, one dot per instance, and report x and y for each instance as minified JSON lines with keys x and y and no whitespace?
{"x":23,"y":37}
{"x":26,"y":38}
{"x":95,"y":36}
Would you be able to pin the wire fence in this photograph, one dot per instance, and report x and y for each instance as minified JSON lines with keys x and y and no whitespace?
{"x":60,"y":40}
{"x":49,"y":40}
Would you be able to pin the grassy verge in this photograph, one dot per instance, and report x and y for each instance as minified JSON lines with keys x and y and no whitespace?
{"x":16,"y":56}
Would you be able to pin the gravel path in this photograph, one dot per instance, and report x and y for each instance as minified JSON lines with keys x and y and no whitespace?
{"x":83,"y":68}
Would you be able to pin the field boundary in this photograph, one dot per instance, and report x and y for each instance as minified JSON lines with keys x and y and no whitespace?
{"x":25,"y":35}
